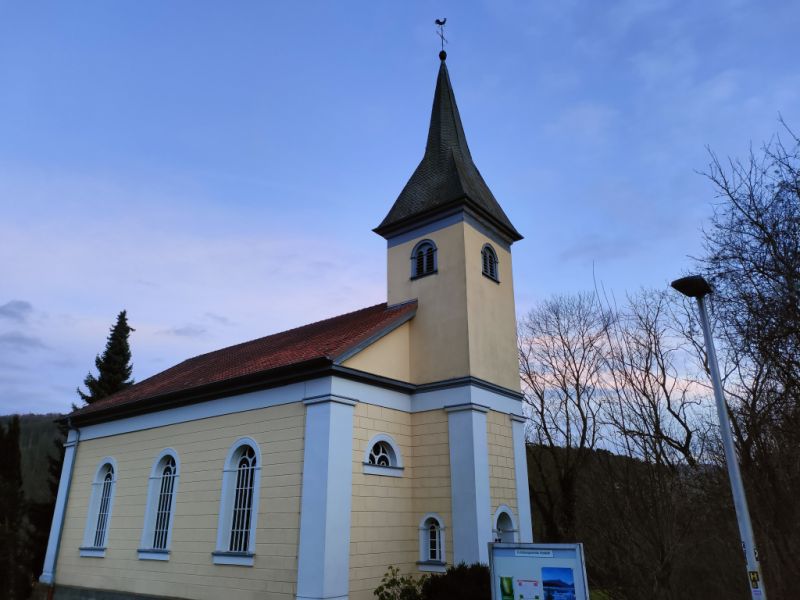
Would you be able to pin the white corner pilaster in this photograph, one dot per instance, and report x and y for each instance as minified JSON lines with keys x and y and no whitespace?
{"x":521,"y":477}
{"x":324,"y":554}
{"x":49,"y":568}
{"x":469,"y":480}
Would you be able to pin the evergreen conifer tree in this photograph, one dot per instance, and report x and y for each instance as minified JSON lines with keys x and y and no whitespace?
{"x":113,"y":374}
{"x":14,"y":580}
{"x":113,"y":366}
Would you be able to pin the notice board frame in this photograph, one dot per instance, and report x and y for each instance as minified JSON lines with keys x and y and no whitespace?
{"x":539,"y":553}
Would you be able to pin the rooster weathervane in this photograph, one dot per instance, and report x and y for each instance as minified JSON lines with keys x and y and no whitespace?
{"x":440,"y":24}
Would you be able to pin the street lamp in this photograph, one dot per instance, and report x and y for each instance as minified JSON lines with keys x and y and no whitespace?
{"x":697,"y":287}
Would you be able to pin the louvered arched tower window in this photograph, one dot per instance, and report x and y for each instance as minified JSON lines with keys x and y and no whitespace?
{"x":423,"y":259}
{"x":489,"y":262}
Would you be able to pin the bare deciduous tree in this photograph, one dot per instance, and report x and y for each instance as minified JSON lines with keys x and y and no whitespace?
{"x":654,"y":412}
{"x":753,"y":261}
{"x":652,"y":418}
{"x":563,"y":348}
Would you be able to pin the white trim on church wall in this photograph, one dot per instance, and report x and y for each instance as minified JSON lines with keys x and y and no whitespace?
{"x":322,"y":387}
{"x":57,"y":525}
{"x":436,"y":225}
{"x":465,"y":394}
{"x":521,"y":477}
{"x":286,"y":394}
{"x":469,"y":480}
{"x":324,"y":551}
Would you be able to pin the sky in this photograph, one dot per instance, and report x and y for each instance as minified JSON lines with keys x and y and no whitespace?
{"x":216,"y":168}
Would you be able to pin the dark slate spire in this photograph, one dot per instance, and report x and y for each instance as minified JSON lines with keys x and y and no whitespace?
{"x":446,"y":180}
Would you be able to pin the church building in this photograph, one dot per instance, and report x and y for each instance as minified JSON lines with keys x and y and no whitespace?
{"x":301,"y":465}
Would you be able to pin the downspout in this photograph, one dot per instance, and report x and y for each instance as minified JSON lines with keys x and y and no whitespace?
{"x":54,"y":542}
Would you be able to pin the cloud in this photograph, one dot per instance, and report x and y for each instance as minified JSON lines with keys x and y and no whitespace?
{"x":145,"y":283}
{"x":593,"y":247}
{"x":190,"y":330}
{"x":16,"y":310}
{"x":222,"y":320}
{"x":17,"y":341}
{"x":587,"y":121}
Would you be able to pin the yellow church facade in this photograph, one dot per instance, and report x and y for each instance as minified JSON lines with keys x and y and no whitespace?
{"x":303,"y":464}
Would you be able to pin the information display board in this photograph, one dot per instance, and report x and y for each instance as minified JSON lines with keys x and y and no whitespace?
{"x":538,"y":572}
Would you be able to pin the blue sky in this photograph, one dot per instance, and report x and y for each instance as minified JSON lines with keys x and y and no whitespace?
{"x":216,"y":168}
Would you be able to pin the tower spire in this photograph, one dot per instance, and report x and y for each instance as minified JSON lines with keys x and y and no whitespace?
{"x":446,"y":180}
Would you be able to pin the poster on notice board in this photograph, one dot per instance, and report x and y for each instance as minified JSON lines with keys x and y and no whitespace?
{"x":538,"y":572}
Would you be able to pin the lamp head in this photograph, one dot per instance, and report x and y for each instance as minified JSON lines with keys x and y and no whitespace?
{"x":694,"y":286}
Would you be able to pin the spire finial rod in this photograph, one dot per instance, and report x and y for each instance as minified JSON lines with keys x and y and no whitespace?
{"x":440,"y":24}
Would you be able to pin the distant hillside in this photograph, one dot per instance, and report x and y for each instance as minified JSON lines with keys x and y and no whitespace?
{"x":37,"y":434}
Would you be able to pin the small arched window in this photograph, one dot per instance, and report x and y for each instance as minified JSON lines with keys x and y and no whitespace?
{"x":423,"y":259}
{"x":161,"y":492}
{"x":505,"y":529}
{"x":239,"y":505}
{"x":489,"y":262}
{"x":431,"y":543}
{"x":382,"y":457}
{"x":101,"y":502}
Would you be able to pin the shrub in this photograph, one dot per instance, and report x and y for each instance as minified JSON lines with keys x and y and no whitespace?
{"x":465,"y":582}
{"x":399,"y":587}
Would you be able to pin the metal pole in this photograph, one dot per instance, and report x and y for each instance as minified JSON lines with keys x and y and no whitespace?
{"x":755,"y":581}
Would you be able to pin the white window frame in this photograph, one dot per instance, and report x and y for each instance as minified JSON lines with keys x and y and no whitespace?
{"x":146,"y":550}
{"x":223,"y":555}
{"x":393,"y":470}
{"x":496,"y":533}
{"x":425,"y":563}
{"x":89,"y":548}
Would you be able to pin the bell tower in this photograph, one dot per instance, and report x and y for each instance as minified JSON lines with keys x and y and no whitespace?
{"x":449,"y":246}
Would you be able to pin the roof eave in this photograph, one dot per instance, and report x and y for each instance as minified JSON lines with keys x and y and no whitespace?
{"x":239,"y":385}
{"x":463,"y":203}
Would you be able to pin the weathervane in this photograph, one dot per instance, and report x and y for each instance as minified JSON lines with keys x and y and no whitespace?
{"x":440,"y":24}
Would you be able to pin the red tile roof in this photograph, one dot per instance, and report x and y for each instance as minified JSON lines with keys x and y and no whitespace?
{"x":324,"y":340}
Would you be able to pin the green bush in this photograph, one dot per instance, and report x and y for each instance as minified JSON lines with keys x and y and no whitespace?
{"x":399,"y":587}
{"x":465,"y":582}
{"x":462,"y":582}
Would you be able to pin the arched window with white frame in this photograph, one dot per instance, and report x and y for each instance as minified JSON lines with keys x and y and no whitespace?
{"x":101,"y":502}
{"x":241,"y":480}
{"x":489,"y":262}
{"x":162,"y":489}
{"x":431,"y":544}
{"x":382,"y":457}
{"x":423,"y":259}
{"x":505,"y":526}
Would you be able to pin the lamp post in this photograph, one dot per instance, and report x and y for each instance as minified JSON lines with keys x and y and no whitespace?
{"x":697,"y":287}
